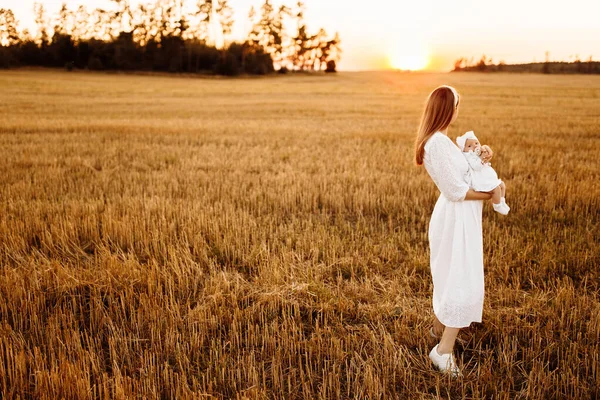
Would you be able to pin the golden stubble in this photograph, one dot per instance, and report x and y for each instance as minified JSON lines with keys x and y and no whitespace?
{"x":173,"y":237}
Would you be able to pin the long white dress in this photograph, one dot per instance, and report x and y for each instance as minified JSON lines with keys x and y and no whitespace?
{"x":455,"y":237}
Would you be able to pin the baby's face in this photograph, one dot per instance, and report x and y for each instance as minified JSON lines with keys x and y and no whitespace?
{"x":471,"y":145}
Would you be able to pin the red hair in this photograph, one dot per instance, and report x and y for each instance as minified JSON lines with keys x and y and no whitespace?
{"x":437,"y":115}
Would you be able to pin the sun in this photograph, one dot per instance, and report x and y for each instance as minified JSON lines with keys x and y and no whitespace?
{"x":411,"y":58}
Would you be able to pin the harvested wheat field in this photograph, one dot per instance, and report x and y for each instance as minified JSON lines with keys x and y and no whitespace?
{"x":175,"y":237}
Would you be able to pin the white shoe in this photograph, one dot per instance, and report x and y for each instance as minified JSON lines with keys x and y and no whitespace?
{"x":501,"y":208}
{"x":445,"y":362}
{"x":503,"y":201}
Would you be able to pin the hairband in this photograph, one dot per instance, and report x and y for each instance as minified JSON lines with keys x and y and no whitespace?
{"x":455,"y":94}
{"x":462,"y":140}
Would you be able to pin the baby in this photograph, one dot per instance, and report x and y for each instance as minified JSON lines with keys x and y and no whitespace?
{"x":481,"y":176}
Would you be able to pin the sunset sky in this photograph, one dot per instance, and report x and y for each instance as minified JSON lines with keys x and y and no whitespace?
{"x":430,"y":34}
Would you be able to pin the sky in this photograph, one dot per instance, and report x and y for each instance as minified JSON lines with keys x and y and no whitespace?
{"x":423,"y":34}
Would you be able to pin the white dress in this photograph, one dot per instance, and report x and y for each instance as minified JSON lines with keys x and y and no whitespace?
{"x":455,"y":237}
{"x":481,"y":176}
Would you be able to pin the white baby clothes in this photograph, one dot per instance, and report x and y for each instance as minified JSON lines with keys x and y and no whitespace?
{"x":481,"y":176}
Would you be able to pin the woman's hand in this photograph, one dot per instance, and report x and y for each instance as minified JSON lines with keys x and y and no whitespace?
{"x":486,"y":153}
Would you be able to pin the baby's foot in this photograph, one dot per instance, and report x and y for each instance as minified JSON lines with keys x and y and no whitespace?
{"x":501,"y":208}
{"x":503,"y":201}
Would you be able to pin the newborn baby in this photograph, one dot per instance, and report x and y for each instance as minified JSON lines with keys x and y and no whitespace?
{"x":481,"y":176}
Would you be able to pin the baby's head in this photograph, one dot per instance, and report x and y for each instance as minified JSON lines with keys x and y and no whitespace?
{"x":471,"y":145}
{"x":468,"y":142}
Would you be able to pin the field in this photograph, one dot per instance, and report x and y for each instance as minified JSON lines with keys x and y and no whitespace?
{"x":175,"y":237}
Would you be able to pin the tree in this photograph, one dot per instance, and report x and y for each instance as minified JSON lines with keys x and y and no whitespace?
{"x":302,"y":42}
{"x":211,"y":12}
{"x":268,"y":31}
{"x":62,"y":48}
{"x":126,"y":52}
{"x":460,"y":64}
{"x":481,"y":65}
{"x":121,"y":18}
{"x":101,"y":28}
{"x":546,"y":67}
{"x":303,"y":47}
{"x":142,"y":22}
{"x":205,"y":13}
{"x":312,"y":51}
{"x":160,"y":35}
{"x":331,"y":66}
{"x":255,"y":33}
{"x":578,"y":65}
{"x":63,"y":25}
{"x":501,"y":65}
{"x":330,"y":50}
{"x":40,"y":21}
{"x":225,"y":15}
{"x":9,"y":36}
{"x":277,"y":33}
{"x":81,"y":28}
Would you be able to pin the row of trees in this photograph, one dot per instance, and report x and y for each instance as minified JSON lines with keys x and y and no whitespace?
{"x":485,"y":64}
{"x":169,"y":35}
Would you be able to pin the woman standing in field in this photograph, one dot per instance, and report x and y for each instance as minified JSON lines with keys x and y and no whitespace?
{"x":455,"y":235}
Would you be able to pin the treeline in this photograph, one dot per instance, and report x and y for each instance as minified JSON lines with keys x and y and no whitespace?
{"x":485,"y":64}
{"x":168,"y":35}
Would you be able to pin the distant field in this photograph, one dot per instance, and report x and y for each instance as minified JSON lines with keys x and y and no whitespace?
{"x":170,"y":237}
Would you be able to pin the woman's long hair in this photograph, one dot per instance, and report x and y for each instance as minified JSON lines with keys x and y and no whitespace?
{"x":437,"y":115}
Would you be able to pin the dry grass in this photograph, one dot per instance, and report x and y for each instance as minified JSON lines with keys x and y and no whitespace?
{"x":165,"y":237}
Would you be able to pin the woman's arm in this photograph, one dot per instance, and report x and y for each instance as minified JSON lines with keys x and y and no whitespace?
{"x":444,"y":174}
{"x":473,"y":195}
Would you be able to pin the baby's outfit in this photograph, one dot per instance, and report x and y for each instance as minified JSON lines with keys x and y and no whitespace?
{"x":481,"y":176}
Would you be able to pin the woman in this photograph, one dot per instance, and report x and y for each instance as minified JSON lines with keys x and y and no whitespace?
{"x":455,"y":236}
